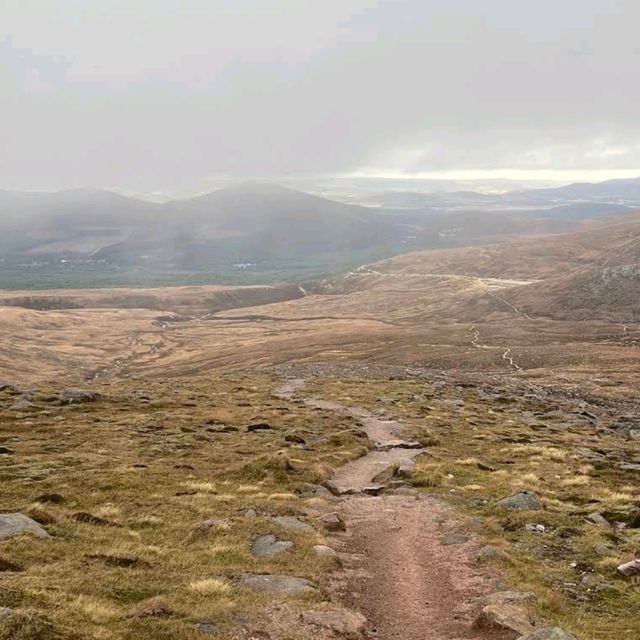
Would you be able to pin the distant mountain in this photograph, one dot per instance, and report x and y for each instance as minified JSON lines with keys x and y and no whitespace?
{"x":243,"y":228}
{"x":255,"y":232}
{"x":580,"y":200}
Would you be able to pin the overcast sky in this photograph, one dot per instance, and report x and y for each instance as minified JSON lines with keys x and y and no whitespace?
{"x":163,"y":94}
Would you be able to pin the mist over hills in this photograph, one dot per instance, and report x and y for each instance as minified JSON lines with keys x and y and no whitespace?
{"x":260,"y":232}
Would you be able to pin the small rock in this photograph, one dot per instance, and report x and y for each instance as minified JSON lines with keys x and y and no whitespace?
{"x":312,"y":491}
{"x":267,"y":583}
{"x":268,"y":546}
{"x":374,"y":489}
{"x":13,"y":524}
{"x":259,"y":426}
{"x":511,"y":597}
{"x":333,"y":522}
{"x":483,"y":466}
{"x":634,"y":434}
{"x":325,"y":552}
{"x":549,"y":633}
{"x":630,"y":569}
{"x":597,"y":518}
{"x":5,"y":451}
{"x":76,"y":396}
{"x":290,"y":523}
{"x":603,"y":550}
{"x":629,"y":466}
{"x":250,"y":513}
{"x":346,"y":623}
{"x":490,"y":552}
{"x":523,"y":501}
{"x":505,"y":619}
{"x":153,"y":608}
{"x":455,"y":538}
{"x":21,"y":405}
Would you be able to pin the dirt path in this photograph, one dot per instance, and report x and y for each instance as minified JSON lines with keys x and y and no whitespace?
{"x":402,"y":569}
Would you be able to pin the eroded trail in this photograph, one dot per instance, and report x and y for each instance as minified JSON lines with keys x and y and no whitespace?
{"x":409,"y":566}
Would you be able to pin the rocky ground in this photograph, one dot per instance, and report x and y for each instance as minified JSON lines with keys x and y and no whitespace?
{"x":346,"y":501}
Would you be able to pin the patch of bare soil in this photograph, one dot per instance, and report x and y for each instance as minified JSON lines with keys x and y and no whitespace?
{"x":402,"y":577}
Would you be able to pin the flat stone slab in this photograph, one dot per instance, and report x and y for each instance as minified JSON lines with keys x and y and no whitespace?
{"x":291,"y":523}
{"x":14,"y":524}
{"x":268,"y":546}
{"x":346,"y":623}
{"x":268,"y":583}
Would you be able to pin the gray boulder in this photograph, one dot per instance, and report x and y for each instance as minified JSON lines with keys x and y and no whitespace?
{"x":282,"y":585}
{"x":523,"y":501}
{"x":268,"y":546}
{"x":630,"y":569}
{"x":509,"y":620}
{"x":14,"y":524}
{"x":76,"y":396}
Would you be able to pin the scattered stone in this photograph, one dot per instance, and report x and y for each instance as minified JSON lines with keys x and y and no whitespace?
{"x":333,"y":522}
{"x":324,"y":552}
{"x":523,"y":501}
{"x":268,"y":546}
{"x":597,"y":518}
{"x":603,"y":550}
{"x":88,"y":518}
{"x":331,"y":487}
{"x":346,"y":623}
{"x":13,"y":524}
{"x":549,"y":633}
{"x":76,"y":396}
{"x":24,"y":624}
{"x":268,"y":583}
{"x":21,"y":405}
{"x":291,"y":523}
{"x":374,"y":489}
{"x":630,"y":569}
{"x":490,"y":552}
{"x":153,"y":608}
{"x":455,"y":538}
{"x":511,"y":597}
{"x":535,"y":528}
{"x":312,"y":491}
{"x":259,"y":426}
{"x":505,"y":619}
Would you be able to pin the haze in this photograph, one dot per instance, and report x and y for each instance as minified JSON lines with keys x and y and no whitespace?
{"x":172,"y":96}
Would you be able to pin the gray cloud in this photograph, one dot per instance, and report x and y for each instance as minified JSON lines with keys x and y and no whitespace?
{"x":145,"y":95}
